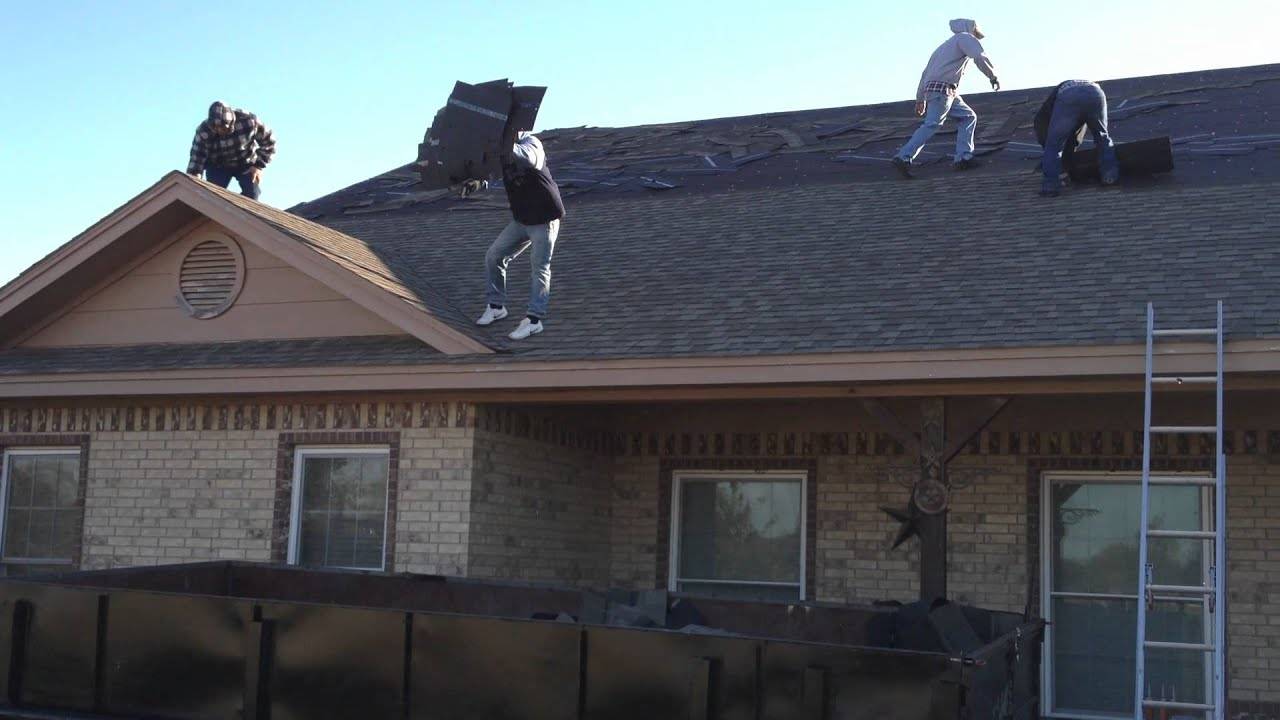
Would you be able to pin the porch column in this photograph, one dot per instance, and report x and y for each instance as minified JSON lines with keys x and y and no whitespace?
{"x":932,"y":527}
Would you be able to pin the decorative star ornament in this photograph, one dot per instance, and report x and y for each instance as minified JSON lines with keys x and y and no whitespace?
{"x":909,"y":520}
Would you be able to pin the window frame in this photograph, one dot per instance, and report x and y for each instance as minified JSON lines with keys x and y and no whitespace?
{"x":681,"y":476}
{"x":300,"y":454}
{"x":1048,"y":479}
{"x":5,"y":454}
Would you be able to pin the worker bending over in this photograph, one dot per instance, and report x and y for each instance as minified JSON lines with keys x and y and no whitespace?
{"x":536,"y":210}
{"x":232,"y":143}
{"x":1060,"y":123}
{"x":936,"y":97}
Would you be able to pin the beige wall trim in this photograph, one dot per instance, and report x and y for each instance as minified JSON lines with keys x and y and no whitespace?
{"x":110,"y":279}
{"x":1004,"y":371}
{"x":177,"y":186}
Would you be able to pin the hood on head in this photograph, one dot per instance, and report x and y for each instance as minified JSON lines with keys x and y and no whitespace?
{"x":961,"y":25}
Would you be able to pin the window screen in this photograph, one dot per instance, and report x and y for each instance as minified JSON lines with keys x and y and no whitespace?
{"x":342,"y":510}
{"x":43,"y":513}
{"x":740,"y":538}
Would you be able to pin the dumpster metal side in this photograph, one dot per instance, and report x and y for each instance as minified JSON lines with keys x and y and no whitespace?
{"x":233,"y":641}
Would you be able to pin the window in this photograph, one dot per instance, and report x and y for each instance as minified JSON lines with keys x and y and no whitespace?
{"x":739,"y":535}
{"x":339,"y":508}
{"x":1090,"y":562}
{"x":42,"y":510}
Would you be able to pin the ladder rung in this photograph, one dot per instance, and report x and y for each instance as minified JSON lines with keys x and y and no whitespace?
{"x":1202,"y":647}
{"x":1173,"y":332}
{"x":1175,"y":705}
{"x":1184,"y":429}
{"x":1190,"y":589}
{"x":1181,"y":480}
{"x":1184,"y":534}
{"x":1180,"y":379}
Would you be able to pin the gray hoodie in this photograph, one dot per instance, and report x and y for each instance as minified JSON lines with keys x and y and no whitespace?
{"x":951,"y":59}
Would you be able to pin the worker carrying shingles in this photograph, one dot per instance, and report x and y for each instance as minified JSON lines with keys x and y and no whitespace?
{"x":1060,"y":124}
{"x":232,"y":143}
{"x":536,"y":210}
{"x":936,"y":97}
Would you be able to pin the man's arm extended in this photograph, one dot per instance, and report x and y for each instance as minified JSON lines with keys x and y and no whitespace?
{"x":970,"y":46}
{"x":199,"y":153}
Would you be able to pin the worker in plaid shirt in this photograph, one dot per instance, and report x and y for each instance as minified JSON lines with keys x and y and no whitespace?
{"x":232,"y":143}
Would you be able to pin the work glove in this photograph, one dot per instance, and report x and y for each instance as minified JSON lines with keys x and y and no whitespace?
{"x":995,"y":84}
{"x":472,"y":186}
{"x":920,"y":107}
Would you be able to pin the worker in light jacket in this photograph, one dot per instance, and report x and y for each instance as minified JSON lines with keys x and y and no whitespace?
{"x":536,"y":210}
{"x":1060,"y":124}
{"x":937,"y":99}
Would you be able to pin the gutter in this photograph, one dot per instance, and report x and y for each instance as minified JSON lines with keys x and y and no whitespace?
{"x":1113,"y":368}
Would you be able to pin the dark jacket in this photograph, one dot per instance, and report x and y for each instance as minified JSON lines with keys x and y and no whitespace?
{"x":532,"y":193}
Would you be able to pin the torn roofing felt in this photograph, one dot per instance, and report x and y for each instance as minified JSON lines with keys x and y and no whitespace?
{"x":1222,"y":124}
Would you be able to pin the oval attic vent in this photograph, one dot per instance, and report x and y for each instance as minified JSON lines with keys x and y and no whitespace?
{"x":211,"y":276}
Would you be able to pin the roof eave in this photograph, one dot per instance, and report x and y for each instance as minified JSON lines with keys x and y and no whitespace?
{"x":1114,"y":368}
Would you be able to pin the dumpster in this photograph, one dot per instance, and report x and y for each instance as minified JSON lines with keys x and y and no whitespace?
{"x":254,"y":641}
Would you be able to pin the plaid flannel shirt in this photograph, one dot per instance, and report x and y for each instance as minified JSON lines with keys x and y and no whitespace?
{"x":249,"y":144}
{"x":933,"y":86}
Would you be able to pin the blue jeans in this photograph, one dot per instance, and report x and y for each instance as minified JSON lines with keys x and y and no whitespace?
{"x":512,"y":241}
{"x":222,"y":178}
{"x":938,"y":107}
{"x":1079,"y":104}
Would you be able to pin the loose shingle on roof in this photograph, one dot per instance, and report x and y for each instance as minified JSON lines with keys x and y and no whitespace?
{"x":778,"y":240}
{"x":1221,"y":123}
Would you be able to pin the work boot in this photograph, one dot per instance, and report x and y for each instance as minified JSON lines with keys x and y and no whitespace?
{"x":965,"y":163}
{"x":491,"y":315}
{"x":903,"y":167}
{"x":528,"y":326}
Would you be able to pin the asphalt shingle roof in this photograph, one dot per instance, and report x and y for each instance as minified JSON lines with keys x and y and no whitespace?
{"x":950,"y":263}
{"x":788,"y":233}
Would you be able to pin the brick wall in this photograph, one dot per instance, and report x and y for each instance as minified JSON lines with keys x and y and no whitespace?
{"x":1253,"y":556}
{"x":551,"y":495}
{"x":178,"y":496}
{"x":202,"y":481}
{"x":993,"y":525}
{"x":539,"y":511}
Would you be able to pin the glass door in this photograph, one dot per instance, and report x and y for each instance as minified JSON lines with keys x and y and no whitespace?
{"x":1090,"y":581}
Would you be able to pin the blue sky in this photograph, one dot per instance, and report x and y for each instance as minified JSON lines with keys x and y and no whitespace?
{"x":100,"y":99}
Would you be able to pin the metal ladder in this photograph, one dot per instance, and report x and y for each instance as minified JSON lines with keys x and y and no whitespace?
{"x":1212,"y":591}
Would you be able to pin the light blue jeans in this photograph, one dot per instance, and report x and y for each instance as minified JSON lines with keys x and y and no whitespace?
{"x":939,"y":107}
{"x":512,"y":241}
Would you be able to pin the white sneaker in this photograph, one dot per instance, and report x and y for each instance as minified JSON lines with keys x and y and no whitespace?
{"x":491,"y":315}
{"x":526,"y":329}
